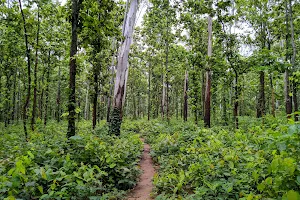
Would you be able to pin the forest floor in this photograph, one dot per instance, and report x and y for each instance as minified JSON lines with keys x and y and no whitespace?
{"x":144,"y":187}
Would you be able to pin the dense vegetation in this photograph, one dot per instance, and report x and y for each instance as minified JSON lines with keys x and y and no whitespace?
{"x":91,"y":164}
{"x":252,"y":163}
{"x":212,"y":85}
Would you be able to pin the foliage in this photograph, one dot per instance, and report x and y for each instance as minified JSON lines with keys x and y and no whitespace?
{"x":253,"y":163}
{"x":89,"y":165}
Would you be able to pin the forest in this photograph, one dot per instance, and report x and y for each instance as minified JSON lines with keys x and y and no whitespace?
{"x":149,"y":99}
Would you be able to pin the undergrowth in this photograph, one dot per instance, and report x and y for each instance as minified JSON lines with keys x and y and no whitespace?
{"x":255,"y":162}
{"x":91,"y":165}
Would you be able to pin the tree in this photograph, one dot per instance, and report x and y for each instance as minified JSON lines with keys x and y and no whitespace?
{"x":208,"y":76}
{"x":34,"y":105}
{"x":122,"y":68}
{"x":26,"y":104}
{"x":73,"y":51}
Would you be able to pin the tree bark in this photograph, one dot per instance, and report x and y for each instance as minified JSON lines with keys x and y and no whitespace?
{"x":47,"y":90}
{"x":208,"y":76}
{"x":58,"y":99}
{"x":149,"y":91}
{"x":73,"y":51}
{"x":288,"y":102}
{"x":13,"y":114}
{"x":185,"y":97}
{"x":224,"y":106}
{"x":163,"y":98}
{"x":41,"y":106}
{"x":122,"y":68}
{"x":272,"y":96}
{"x":203,"y":94}
{"x":95,"y":96}
{"x":236,"y":101}
{"x":87,"y":107}
{"x":19,"y":98}
{"x":110,"y":89}
{"x":294,"y":85}
{"x":7,"y":103}
{"x":261,"y":98}
{"x":26,"y":104}
{"x":167,"y":69}
{"x":35,"y":74}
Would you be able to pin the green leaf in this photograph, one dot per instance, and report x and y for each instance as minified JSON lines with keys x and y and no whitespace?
{"x":20,"y":167}
{"x":76,"y":137}
{"x":11,"y":171}
{"x":292,"y":195}
{"x":40,"y":188}
{"x":30,"y":154}
{"x":10,"y":198}
{"x":261,"y":187}
{"x":112,"y":165}
{"x":298,"y":180}
{"x":255,"y":175}
{"x":269,"y":180}
{"x":43,"y":173}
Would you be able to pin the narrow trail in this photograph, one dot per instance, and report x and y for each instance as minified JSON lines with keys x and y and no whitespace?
{"x":144,"y":187}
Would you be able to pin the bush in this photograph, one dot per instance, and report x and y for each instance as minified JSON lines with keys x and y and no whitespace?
{"x":217,"y":163}
{"x":88,"y":166}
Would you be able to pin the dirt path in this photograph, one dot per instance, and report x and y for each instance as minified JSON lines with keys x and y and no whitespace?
{"x":144,"y":187}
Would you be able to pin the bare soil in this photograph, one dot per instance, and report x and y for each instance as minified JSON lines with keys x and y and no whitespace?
{"x":144,"y":187}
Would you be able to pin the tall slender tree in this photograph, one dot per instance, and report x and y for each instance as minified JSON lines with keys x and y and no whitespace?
{"x":34,"y":105}
{"x":122,"y":68}
{"x":208,"y":76}
{"x":26,"y":104}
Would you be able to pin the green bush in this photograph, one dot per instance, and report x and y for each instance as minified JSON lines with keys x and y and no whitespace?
{"x":252,"y":163}
{"x":88,"y":166}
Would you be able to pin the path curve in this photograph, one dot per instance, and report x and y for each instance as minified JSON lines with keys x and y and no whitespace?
{"x":144,"y":187}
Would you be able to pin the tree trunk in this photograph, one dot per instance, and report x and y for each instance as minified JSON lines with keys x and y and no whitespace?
{"x":13,"y":114}
{"x":236,"y":101}
{"x":176,"y":102}
{"x":26,"y":104}
{"x":295,"y":99}
{"x":163,"y":98}
{"x":58,"y":99}
{"x":139,"y":105}
{"x":7,"y":103}
{"x":134,"y":107}
{"x":73,"y":51}
{"x":87,"y":107}
{"x":288,"y":102}
{"x":224,"y":106}
{"x":261,"y":97}
{"x":208,"y":76}
{"x":95,"y":96}
{"x":19,"y":98}
{"x":185,"y":97}
{"x":110,"y":90}
{"x":42,"y":95}
{"x":167,"y":71}
{"x":122,"y":68}
{"x":35,"y":74}
{"x":272,"y":96}
{"x":47,"y":90}
{"x":203,"y":94}
{"x":78,"y":114}
{"x":149,"y":91}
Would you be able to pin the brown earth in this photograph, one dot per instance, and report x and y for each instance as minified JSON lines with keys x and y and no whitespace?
{"x":144,"y":187}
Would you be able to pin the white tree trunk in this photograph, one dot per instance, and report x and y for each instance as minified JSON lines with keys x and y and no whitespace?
{"x":208,"y":76}
{"x":122,"y":65}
